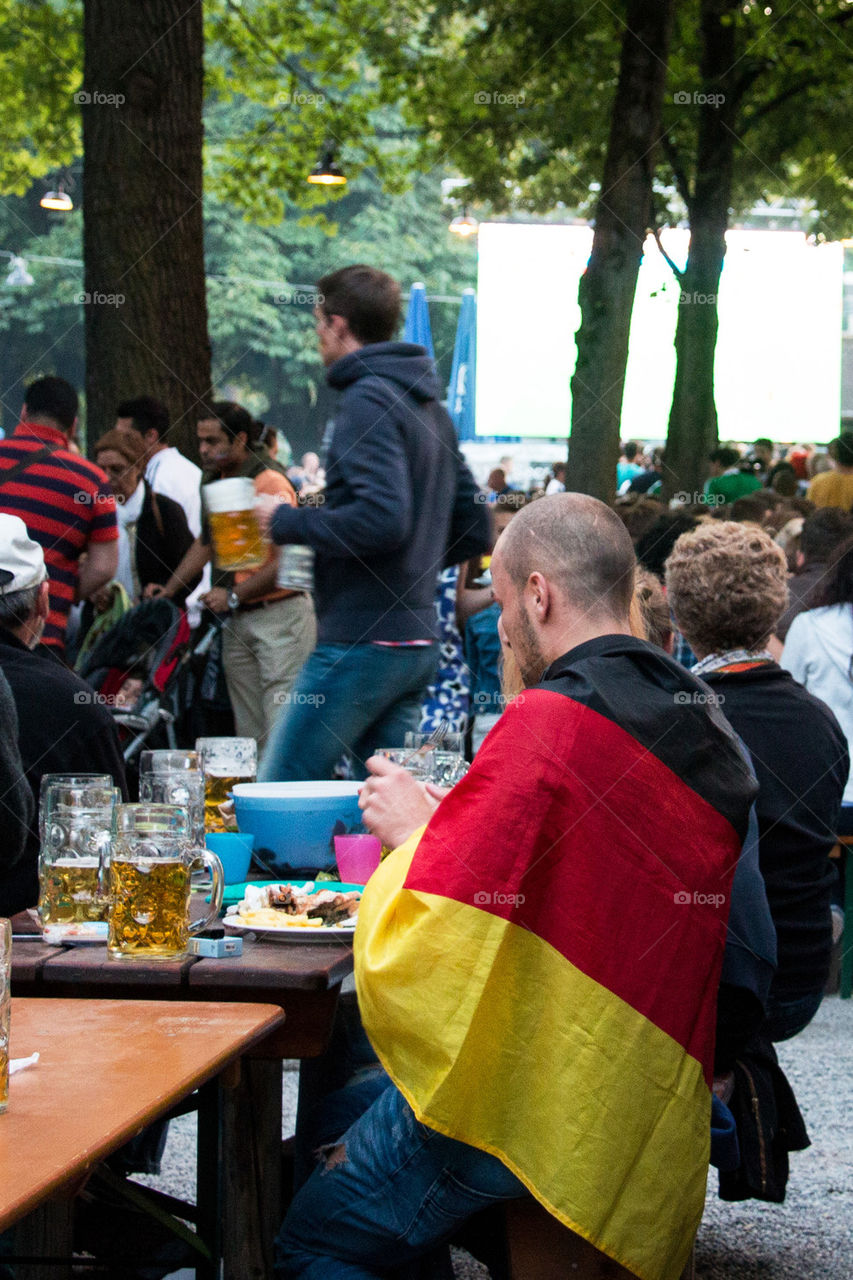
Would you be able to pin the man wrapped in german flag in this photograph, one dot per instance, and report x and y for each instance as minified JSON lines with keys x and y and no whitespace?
{"x":537,"y":963}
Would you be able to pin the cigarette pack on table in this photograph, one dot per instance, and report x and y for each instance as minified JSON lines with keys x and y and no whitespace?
{"x":215,"y":948}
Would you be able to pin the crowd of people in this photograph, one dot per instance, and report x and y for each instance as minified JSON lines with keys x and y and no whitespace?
{"x":633,"y":882}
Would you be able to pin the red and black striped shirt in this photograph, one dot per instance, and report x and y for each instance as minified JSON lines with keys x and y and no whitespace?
{"x":66,"y":502}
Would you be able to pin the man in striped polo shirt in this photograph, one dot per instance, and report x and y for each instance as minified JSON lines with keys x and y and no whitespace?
{"x":64,"y":500}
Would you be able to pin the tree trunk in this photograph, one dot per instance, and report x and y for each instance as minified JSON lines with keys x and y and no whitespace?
{"x":145,"y":303}
{"x":622,"y":218}
{"x":693,"y":415}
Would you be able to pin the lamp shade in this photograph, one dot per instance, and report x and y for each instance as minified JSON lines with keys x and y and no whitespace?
{"x":327,"y":173}
{"x":59,"y":200}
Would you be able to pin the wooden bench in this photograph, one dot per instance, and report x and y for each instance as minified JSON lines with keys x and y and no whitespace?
{"x":541,"y":1248}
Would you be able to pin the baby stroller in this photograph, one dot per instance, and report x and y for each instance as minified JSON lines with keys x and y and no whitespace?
{"x":134,"y":667}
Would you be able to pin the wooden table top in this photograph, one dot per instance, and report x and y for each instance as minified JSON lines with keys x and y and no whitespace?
{"x":107,"y":1069}
{"x":301,"y":978}
{"x":288,"y":965}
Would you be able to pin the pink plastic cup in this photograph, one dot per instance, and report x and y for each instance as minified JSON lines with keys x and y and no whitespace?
{"x":357,"y":857}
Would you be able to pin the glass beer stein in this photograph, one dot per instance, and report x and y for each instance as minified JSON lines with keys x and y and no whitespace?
{"x":67,"y":780}
{"x":234,"y":531}
{"x":5,"y":1008}
{"x":150,"y":868}
{"x":174,"y":777}
{"x":225,"y":762}
{"x":76,"y":830}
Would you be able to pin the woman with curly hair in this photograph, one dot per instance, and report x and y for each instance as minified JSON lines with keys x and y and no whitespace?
{"x":727,"y":586}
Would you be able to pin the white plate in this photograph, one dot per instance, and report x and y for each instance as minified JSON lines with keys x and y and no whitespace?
{"x":299,"y":932}
{"x":292,"y":932}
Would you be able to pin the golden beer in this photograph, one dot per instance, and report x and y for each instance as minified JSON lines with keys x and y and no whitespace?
{"x":216,"y":788}
{"x":149,"y":912}
{"x":5,"y":1010}
{"x":70,"y":892}
{"x":237,"y":540}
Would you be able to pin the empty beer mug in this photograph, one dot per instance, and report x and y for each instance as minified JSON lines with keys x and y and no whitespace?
{"x":150,"y":868}
{"x":295,"y":568}
{"x":67,"y":780}
{"x":174,"y":777}
{"x":234,"y":529}
{"x":76,"y":826}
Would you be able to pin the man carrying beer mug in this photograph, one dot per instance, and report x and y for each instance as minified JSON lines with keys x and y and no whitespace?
{"x":399,"y":505}
{"x":270,"y":630}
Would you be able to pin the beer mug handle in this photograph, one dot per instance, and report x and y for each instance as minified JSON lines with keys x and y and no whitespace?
{"x":217,"y":888}
{"x":105,"y":848}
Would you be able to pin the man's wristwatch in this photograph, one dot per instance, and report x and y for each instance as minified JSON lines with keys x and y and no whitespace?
{"x":233,"y":601}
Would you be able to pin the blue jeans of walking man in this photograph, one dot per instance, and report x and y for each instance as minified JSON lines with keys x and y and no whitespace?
{"x":347,"y":697}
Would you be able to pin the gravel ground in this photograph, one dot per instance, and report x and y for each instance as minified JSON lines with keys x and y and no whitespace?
{"x":809,"y":1237}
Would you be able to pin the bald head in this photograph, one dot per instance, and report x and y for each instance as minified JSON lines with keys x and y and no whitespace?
{"x":580,"y":546}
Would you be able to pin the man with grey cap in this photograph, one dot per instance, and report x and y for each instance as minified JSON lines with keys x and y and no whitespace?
{"x":62,"y":727}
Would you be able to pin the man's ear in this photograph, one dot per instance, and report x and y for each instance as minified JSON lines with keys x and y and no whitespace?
{"x":43,"y":599}
{"x":340,"y":327}
{"x":539,"y":595}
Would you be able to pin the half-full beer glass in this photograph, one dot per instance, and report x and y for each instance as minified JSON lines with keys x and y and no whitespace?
{"x":150,"y":868}
{"x":225,"y":761}
{"x":76,"y":829}
{"x":234,"y":530}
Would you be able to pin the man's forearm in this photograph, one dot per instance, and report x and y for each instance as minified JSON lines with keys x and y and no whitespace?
{"x":259,"y":584}
{"x":96,"y":570}
{"x":189,"y":570}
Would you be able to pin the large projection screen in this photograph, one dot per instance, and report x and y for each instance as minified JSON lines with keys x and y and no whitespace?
{"x":778,"y":361}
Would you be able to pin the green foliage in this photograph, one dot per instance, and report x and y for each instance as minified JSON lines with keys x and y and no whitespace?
{"x":40,"y":69}
{"x":260,"y":283}
{"x":265,"y":307}
{"x":790,"y":89}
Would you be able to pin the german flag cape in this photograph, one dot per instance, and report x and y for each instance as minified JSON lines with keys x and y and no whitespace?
{"x":538,"y":968}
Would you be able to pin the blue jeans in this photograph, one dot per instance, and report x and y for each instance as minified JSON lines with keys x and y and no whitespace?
{"x":347,"y":697}
{"x":386,"y":1195}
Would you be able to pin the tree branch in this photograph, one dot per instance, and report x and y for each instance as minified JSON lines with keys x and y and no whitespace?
{"x":290,"y":64}
{"x":781,"y":98}
{"x":682,"y":182}
{"x":676,"y":271}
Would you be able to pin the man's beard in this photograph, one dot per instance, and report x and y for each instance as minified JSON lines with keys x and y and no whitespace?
{"x":528,"y":653}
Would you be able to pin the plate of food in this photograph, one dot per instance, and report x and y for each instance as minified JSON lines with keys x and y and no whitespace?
{"x":299,"y":910}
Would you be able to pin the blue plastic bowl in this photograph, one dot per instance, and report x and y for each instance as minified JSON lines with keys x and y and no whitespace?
{"x":294,"y":823}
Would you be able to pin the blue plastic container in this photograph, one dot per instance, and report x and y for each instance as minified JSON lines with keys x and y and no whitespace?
{"x":295,"y":823}
{"x":234,"y":851}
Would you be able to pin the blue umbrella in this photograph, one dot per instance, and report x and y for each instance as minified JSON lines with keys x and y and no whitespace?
{"x":417,"y":327}
{"x":461,"y":397}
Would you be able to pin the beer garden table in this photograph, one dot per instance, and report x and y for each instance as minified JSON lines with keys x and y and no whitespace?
{"x":107,"y":1069}
{"x":302,"y":979}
